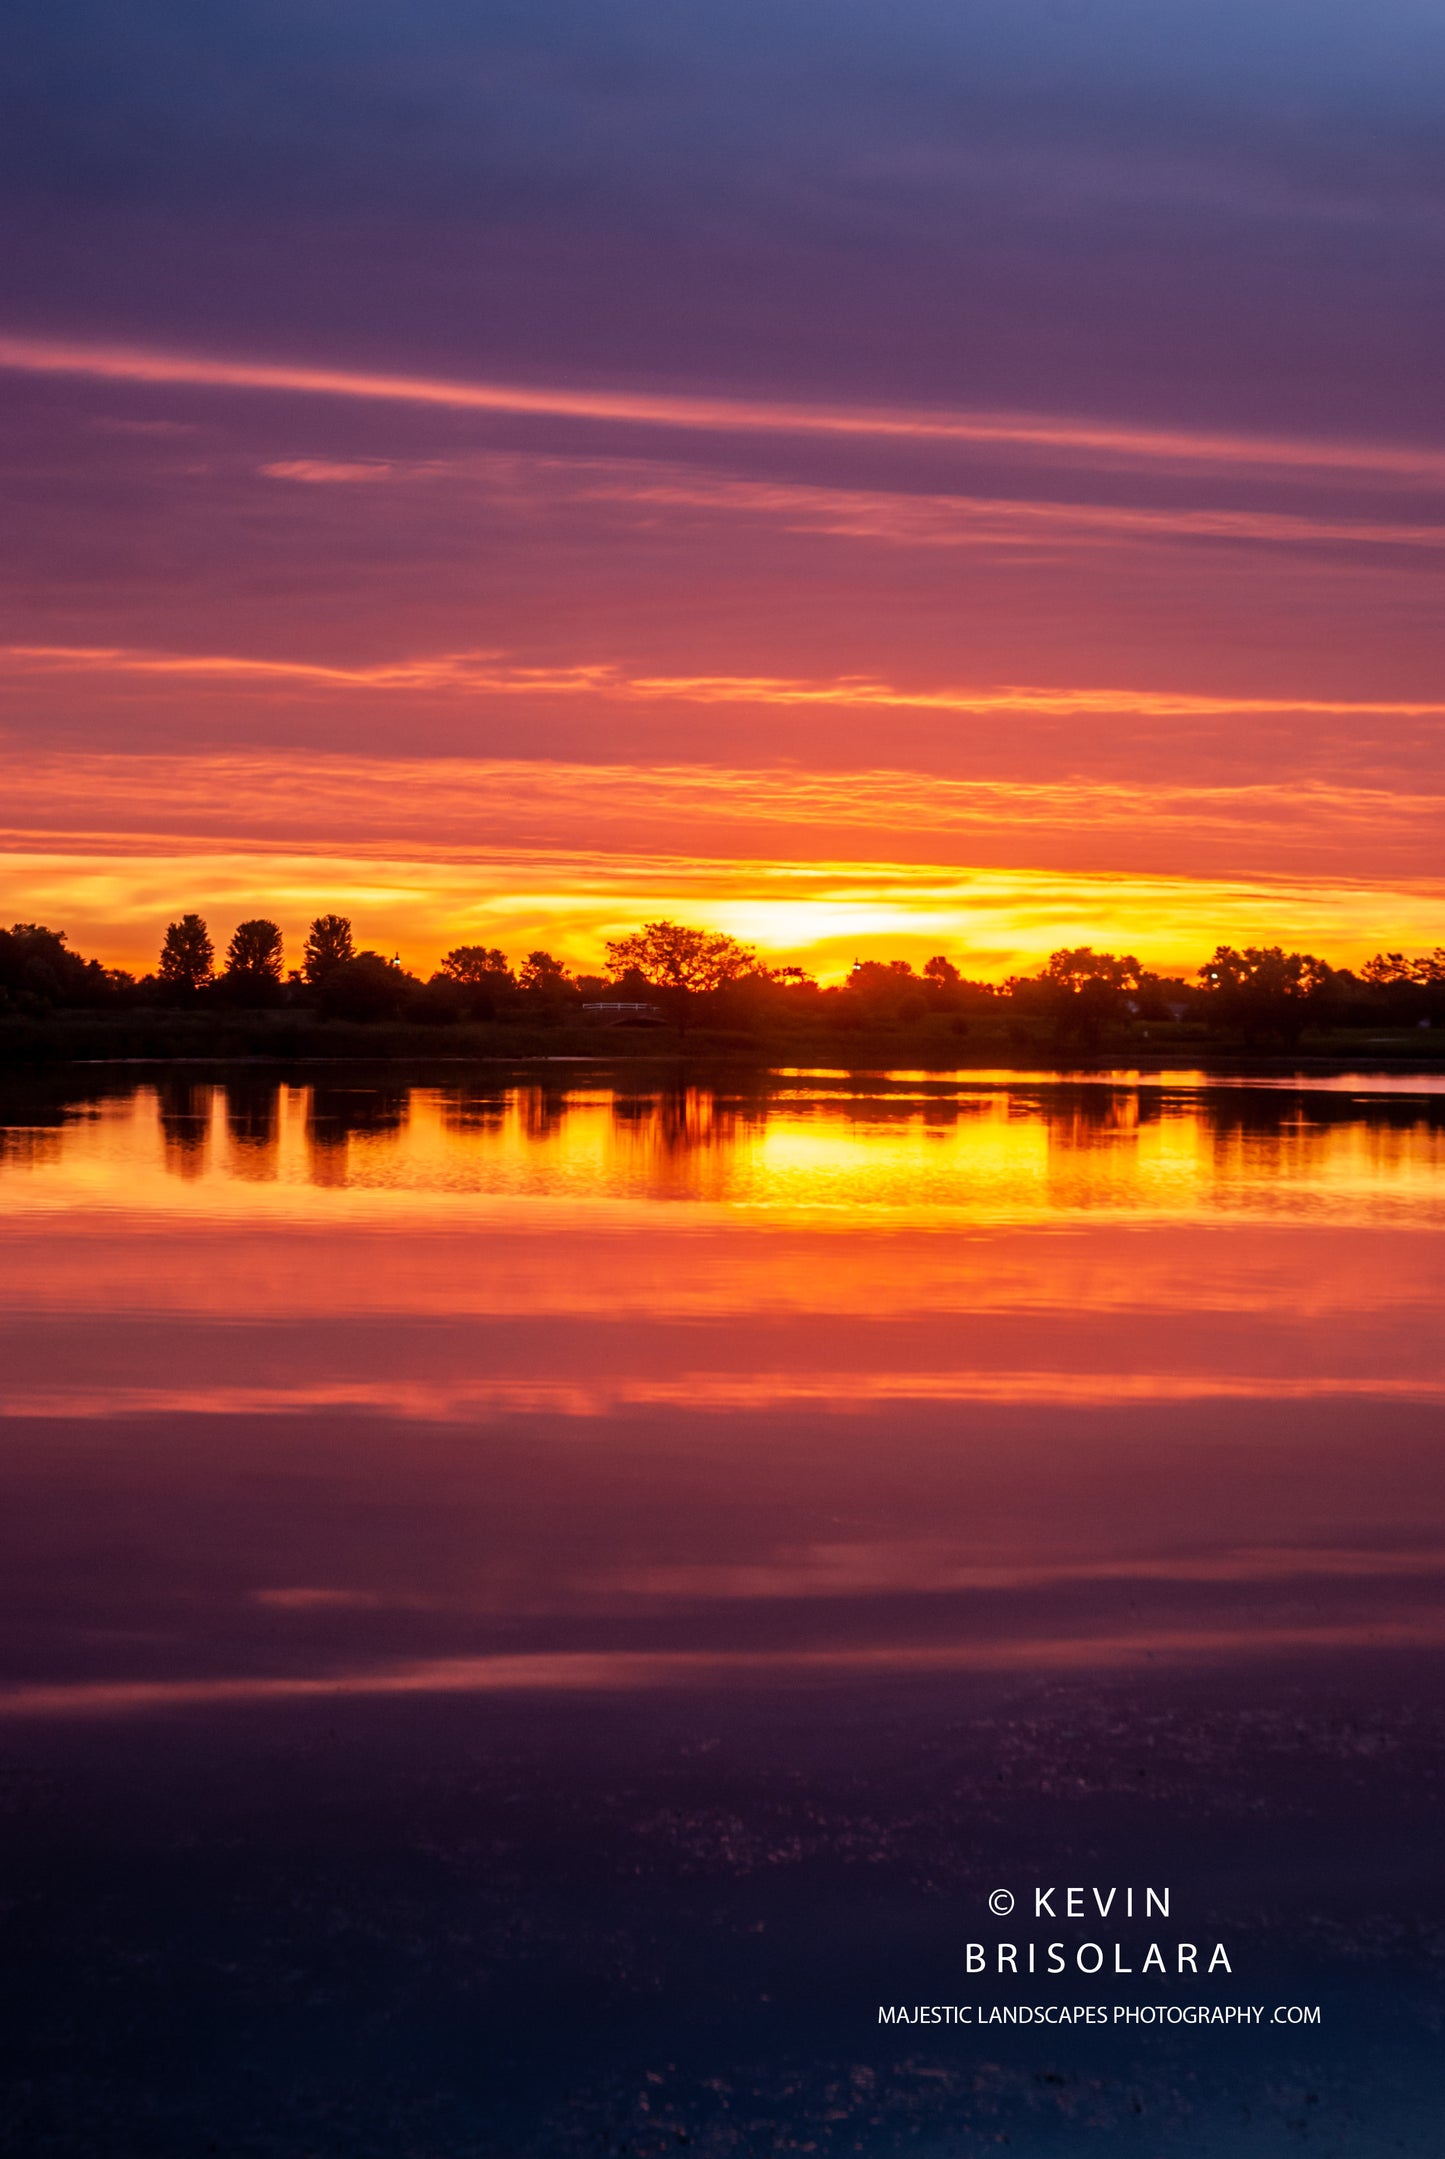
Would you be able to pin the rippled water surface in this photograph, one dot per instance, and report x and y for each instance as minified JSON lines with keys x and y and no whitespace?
{"x":656,"y":1555}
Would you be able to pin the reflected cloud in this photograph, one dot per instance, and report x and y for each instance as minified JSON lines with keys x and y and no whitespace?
{"x":847,"y":1393}
{"x":623,"y":1671}
{"x":438,"y":1389}
{"x":923,"y":1569}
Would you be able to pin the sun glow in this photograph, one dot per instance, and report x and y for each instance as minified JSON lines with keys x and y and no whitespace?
{"x":822,"y":915}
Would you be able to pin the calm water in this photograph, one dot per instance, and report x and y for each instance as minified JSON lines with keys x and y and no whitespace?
{"x":531,"y":1610}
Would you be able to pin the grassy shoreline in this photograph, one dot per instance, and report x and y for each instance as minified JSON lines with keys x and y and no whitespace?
{"x":163,"y":1037}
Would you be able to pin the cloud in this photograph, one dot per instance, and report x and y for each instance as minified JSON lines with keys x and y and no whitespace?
{"x":485,"y":672}
{"x":918,"y":518}
{"x":319,"y":471}
{"x":567,"y":876}
{"x":1096,"y":441}
{"x":576,"y":1671}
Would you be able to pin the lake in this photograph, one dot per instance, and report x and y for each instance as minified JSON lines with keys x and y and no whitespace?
{"x":535,"y":1607}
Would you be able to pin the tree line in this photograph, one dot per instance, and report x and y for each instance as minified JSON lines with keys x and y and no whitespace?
{"x":671,"y":972}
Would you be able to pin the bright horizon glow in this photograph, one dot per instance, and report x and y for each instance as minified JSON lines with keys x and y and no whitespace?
{"x":114,"y":906}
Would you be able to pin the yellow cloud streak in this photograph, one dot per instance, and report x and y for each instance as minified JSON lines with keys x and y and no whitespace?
{"x":822,"y":913}
{"x":484,"y":672}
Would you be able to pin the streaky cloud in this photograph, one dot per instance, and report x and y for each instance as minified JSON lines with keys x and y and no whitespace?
{"x":637,"y":1671}
{"x":893,"y":516}
{"x":488,"y":671}
{"x":660,"y":409}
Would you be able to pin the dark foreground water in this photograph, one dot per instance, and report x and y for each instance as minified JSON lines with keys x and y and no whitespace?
{"x":531,"y":1613}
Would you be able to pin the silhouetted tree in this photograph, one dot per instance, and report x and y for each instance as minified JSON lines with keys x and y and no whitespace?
{"x":679,"y":963}
{"x":255,"y":950}
{"x":366,"y":987}
{"x":478,"y":967}
{"x":1403,"y":992}
{"x":1165,"y":997}
{"x":541,"y":975}
{"x":669,"y":956}
{"x":187,"y":961}
{"x":1077,"y":967}
{"x":1081,"y":993}
{"x":1263,"y":991}
{"x":328,"y":946}
{"x":881,"y":993}
{"x":38,"y":969}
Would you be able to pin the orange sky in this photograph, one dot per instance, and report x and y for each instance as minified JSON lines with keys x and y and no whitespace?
{"x":997,"y":867}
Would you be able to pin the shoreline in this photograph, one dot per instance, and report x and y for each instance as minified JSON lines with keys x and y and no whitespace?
{"x":173,"y":1040}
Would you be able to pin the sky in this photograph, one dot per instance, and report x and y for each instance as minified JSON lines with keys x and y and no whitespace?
{"x":954,"y":477}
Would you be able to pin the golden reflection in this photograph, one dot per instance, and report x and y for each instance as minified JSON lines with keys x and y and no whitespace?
{"x":544,"y":1111}
{"x":980,"y":1151}
{"x":556,"y":1248}
{"x":252,"y":1129}
{"x":340,"y":1118}
{"x":185,"y":1120}
{"x":28,"y":1146}
{"x":902,"y":1374}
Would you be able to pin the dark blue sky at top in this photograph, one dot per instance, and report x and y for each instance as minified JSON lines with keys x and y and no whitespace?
{"x":1222,"y":212}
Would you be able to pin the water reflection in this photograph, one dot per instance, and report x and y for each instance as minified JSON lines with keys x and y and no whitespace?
{"x":252,"y":1110}
{"x":335,"y":1117}
{"x":184,"y":1112}
{"x":617,"y":1575}
{"x":989,"y":1375}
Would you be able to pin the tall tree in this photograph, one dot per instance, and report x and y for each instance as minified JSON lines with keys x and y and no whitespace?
{"x":255,"y":950}
{"x":478,"y":967}
{"x":1077,"y":967}
{"x":1082,"y":994}
{"x":679,"y":963}
{"x":36,"y":962}
{"x":670,"y":956}
{"x":541,"y":975}
{"x":188,"y":957}
{"x":328,"y":946}
{"x":1264,"y":991}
